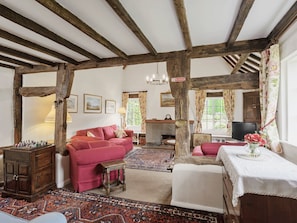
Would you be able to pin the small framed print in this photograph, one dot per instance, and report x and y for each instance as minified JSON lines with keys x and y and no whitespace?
{"x":92,"y":103}
{"x":110,"y":106}
{"x":72,"y":103}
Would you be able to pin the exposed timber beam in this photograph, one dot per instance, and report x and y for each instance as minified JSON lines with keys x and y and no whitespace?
{"x":35,"y":27}
{"x":213,"y":50}
{"x":126,"y":18}
{"x":79,"y":24}
{"x":23,"y":55}
{"x":284,"y":23}
{"x":240,"y":62}
{"x":36,"y":69}
{"x":15,"y":61}
{"x":239,"y":81}
{"x":182,"y":18}
{"x":34,"y":46}
{"x":37,"y":91}
{"x":243,"y":12}
{"x":7,"y":66}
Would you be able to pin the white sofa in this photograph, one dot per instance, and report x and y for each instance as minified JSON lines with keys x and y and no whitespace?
{"x":197,"y":187}
{"x":52,"y":217}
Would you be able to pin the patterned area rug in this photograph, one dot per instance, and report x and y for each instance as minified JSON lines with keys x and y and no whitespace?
{"x":150,"y":159}
{"x":88,"y":207}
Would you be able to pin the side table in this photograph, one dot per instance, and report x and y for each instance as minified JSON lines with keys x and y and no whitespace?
{"x":109,"y":166}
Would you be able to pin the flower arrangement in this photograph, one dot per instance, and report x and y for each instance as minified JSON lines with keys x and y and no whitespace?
{"x":254,"y":138}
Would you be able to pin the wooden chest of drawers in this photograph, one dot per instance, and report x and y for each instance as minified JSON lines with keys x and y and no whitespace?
{"x":28,"y":173}
{"x":231,"y":213}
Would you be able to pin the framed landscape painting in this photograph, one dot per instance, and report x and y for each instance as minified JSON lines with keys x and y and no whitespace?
{"x":110,"y":106}
{"x":92,"y":103}
{"x":167,"y":100}
{"x":72,"y":103}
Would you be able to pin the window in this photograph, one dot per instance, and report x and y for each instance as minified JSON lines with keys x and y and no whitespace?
{"x":288,"y":121}
{"x":133,"y":115}
{"x":214,"y":119}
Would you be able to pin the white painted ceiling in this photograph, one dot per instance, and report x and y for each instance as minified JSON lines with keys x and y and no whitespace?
{"x":210,"y":22}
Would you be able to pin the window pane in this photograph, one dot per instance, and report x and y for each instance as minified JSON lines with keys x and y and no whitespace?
{"x":214,"y":119}
{"x":133,"y":116}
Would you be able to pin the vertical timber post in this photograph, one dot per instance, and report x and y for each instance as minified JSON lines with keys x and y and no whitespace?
{"x":63,"y":88}
{"x":17,"y":107}
{"x":180,"y":67}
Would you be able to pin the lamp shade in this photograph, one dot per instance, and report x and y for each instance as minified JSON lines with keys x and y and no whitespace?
{"x":122,"y":110}
{"x":51,"y":116}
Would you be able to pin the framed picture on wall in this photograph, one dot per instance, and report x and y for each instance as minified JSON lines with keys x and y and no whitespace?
{"x":92,"y":103}
{"x":72,"y":103}
{"x":110,"y":106}
{"x":167,"y":100}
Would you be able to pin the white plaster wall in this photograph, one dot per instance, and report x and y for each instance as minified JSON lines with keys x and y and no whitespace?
{"x":6,"y":106}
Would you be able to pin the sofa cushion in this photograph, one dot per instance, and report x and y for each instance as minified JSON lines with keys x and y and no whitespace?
{"x":98,"y":143}
{"x":120,"y":133}
{"x":211,"y":149}
{"x":80,"y":144}
{"x":109,"y":131}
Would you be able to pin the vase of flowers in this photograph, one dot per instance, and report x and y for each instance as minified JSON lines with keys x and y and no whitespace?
{"x":254,"y":140}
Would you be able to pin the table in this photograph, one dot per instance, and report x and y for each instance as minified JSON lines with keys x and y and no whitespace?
{"x":268,"y":174}
{"x":109,"y":166}
{"x":258,"y":190}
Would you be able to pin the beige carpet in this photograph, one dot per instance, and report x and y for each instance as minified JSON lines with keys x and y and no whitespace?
{"x":144,"y":185}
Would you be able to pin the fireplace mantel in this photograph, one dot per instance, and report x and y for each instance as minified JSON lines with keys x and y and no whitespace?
{"x":160,"y":121}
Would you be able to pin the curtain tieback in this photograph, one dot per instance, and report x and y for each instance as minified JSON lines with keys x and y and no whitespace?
{"x":267,"y":124}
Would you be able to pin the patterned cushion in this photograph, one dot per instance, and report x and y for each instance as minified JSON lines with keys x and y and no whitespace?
{"x":120,"y":133}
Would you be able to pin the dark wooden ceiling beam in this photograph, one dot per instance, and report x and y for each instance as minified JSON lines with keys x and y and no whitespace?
{"x":127,"y":19}
{"x":35,"y":69}
{"x":37,"y":91}
{"x":15,"y":61}
{"x":13,"y":38}
{"x":31,"y":25}
{"x":243,"y":12}
{"x":23,"y":55}
{"x":284,"y":23}
{"x":79,"y":24}
{"x":183,"y":22}
{"x":240,"y":62}
{"x":7,"y":66}
{"x":220,"y":49}
{"x":239,"y":81}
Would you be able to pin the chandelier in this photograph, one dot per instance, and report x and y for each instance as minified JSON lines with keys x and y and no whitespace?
{"x":157,"y":79}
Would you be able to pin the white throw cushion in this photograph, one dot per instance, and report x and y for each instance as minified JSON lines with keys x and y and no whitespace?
{"x":90,"y":134}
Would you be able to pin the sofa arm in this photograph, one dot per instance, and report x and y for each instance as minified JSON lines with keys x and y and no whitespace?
{"x":129,"y":132}
{"x":98,"y":155}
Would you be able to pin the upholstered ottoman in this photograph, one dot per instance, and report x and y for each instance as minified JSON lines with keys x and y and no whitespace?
{"x":198,"y":187}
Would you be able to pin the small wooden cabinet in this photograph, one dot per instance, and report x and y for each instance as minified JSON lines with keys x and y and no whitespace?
{"x":28,"y":172}
{"x":251,"y":107}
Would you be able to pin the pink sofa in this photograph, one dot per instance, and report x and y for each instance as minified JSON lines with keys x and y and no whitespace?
{"x":212,"y":148}
{"x":84,"y":159}
{"x":109,"y":133}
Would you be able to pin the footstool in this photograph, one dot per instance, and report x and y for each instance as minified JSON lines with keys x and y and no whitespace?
{"x":109,"y":166}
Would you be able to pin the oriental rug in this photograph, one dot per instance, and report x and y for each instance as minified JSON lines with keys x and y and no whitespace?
{"x":150,"y":159}
{"x":89,"y":207}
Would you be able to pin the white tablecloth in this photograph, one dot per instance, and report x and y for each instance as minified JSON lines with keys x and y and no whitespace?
{"x":268,"y":174}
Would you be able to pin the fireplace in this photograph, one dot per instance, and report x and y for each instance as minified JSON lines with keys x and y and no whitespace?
{"x":157,"y":131}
